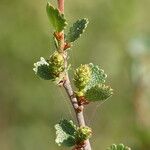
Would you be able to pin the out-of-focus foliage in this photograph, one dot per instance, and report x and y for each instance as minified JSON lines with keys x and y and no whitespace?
{"x":117,"y":39}
{"x":118,"y":147}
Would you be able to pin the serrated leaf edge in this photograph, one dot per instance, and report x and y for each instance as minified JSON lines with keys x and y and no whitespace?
{"x":87,"y":21}
{"x":91,"y":65}
{"x":39,"y":63}
{"x":65,"y":134}
{"x":58,"y":14}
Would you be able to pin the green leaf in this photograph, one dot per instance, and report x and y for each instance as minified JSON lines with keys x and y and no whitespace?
{"x":65,"y":133}
{"x":98,"y":92}
{"x":57,"y":19}
{"x":118,"y":147}
{"x":97,"y":76}
{"x":76,"y":30}
{"x":43,"y":69}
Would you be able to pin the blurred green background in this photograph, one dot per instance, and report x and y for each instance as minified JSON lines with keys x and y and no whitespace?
{"x":117,"y":38}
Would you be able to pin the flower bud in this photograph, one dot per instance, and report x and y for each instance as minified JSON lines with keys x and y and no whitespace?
{"x":82,"y":76}
{"x":57,"y":63}
{"x":56,"y":59}
{"x":84,"y":133}
{"x":79,"y":93}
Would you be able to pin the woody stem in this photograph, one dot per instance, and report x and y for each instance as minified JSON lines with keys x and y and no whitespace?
{"x":67,"y":86}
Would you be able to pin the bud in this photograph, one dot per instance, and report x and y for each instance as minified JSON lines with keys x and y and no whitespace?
{"x":56,"y":59}
{"x":82,"y":76}
{"x":57,"y":63}
{"x":79,"y":93}
{"x":84,"y":133}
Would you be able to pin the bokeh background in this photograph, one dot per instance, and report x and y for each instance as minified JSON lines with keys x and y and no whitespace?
{"x":117,"y":38}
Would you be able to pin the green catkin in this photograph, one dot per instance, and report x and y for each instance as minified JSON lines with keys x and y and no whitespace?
{"x":82,"y":76}
{"x":56,"y":62}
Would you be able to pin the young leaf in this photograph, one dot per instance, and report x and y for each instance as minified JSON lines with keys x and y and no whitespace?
{"x":65,"y":133}
{"x":97,"y":76}
{"x":118,"y":147}
{"x":98,"y":92}
{"x":43,"y":69}
{"x":57,"y":19}
{"x":76,"y":30}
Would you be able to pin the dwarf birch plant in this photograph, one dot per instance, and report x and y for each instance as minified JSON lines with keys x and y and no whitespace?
{"x":89,"y":80}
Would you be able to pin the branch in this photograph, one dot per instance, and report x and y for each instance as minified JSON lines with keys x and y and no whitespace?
{"x":79,"y":114}
{"x":61,"y":5}
{"x":78,"y":109}
{"x":67,"y":85}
